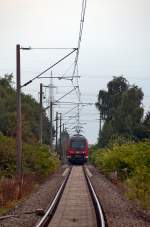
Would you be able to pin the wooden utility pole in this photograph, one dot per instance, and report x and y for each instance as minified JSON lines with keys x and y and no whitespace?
{"x":18,"y":116}
{"x":41,"y":115}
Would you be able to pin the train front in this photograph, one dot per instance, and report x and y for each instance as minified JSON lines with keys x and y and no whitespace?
{"x":78,"y":149}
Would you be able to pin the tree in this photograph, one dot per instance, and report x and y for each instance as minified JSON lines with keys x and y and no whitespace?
{"x":121,"y":109}
{"x":30,"y":114}
{"x":145,"y":127}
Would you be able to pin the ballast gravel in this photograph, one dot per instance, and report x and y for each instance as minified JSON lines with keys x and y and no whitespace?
{"x":119,"y":211}
{"x":38,"y":199}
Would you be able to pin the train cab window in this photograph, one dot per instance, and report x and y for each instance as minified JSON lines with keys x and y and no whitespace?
{"x":80,"y":144}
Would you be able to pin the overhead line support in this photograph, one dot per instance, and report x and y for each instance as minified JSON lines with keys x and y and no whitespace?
{"x":56,"y":131}
{"x":18,"y":113}
{"x":41,"y":114}
{"x":60,"y":98}
{"x":30,"y":81}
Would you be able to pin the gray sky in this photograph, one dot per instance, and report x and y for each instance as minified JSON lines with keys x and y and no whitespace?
{"x":115,"y":41}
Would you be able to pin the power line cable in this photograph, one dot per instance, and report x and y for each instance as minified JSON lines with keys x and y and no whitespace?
{"x":75,"y":70}
{"x":80,"y":33}
{"x":43,"y":72}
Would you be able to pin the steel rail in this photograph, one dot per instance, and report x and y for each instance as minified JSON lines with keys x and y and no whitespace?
{"x":98,"y":208}
{"x":53,"y":206}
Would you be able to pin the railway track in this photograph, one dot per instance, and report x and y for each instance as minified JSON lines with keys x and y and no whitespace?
{"x":75,"y":203}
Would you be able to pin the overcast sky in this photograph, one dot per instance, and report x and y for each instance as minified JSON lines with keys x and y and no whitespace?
{"x":116,"y":41}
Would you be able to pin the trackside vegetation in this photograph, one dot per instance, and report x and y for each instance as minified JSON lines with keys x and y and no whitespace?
{"x":36,"y":158}
{"x":123,"y":148}
{"x":38,"y":163}
{"x":131,"y":163}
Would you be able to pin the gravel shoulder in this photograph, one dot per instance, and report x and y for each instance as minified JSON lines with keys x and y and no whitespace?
{"x":39,"y":198}
{"x":119,"y":211}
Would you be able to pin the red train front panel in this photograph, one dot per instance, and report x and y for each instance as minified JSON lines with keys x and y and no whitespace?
{"x":77,"y":149}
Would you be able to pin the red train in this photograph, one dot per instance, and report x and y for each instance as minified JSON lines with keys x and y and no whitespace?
{"x":77,"y":151}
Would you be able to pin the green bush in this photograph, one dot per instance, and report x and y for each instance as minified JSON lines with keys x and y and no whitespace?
{"x":36,"y":158}
{"x":7,"y":156}
{"x":132,"y":163}
{"x":37,"y":162}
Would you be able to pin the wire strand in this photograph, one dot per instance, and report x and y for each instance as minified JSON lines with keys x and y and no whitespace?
{"x":84,"y":2}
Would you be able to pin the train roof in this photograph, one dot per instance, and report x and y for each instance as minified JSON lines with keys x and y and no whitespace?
{"x":77,"y":136}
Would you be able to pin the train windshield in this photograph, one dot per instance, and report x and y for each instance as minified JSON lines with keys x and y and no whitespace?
{"x":78,"y":144}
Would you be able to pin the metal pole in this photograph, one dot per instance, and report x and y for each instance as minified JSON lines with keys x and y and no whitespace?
{"x":18,"y":116}
{"x":100,"y":128}
{"x":41,"y":114}
{"x":63,"y":143}
{"x":56,"y":131}
{"x":51,"y":110}
{"x":51,"y":124}
{"x":60,"y":133}
{"x":100,"y":120}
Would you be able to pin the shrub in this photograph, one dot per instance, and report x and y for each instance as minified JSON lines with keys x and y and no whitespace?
{"x":36,"y":158}
{"x":7,"y":154}
{"x":132,"y":163}
{"x":38,"y":162}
